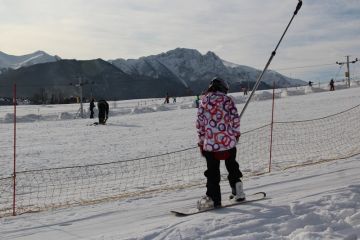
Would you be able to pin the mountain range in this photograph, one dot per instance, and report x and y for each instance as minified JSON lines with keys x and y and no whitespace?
{"x":177,"y":72}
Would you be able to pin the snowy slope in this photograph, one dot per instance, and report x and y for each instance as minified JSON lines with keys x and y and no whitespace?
{"x":315,"y":202}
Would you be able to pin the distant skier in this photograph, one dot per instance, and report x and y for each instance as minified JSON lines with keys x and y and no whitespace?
{"x":167,"y":99}
{"x":103,"y":108}
{"x":332,"y":86}
{"x":310,"y":83}
{"x":218,"y":127}
{"x":245,"y":91}
{"x":92,"y":106}
{"x":197,"y":101}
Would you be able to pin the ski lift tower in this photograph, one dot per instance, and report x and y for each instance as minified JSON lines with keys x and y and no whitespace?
{"x":347,"y":74}
{"x":80,"y":85}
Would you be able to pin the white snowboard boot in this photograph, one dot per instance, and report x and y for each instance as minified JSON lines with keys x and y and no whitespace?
{"x":239,"y":192}
{"x":205,"y":203}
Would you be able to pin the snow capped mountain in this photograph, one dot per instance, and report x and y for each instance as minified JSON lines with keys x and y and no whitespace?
{"x":195,"y":70}
{"x":15,"y":62}
{"x":230,"y":64}
{"x":190,"y":65}
{"x":251,"y":73}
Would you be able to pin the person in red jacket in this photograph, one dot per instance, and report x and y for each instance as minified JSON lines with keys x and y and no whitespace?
{"x":218,"y":127}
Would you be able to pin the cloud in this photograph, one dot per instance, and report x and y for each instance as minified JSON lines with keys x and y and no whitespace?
{"x":243,"y":32}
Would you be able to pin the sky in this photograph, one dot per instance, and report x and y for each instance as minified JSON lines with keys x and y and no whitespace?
{"x":239,"y":31}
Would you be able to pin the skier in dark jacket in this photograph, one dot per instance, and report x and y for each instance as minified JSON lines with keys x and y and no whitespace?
{"x":332,"y":86}
{"x":92,"y":106}
{"x":103,"y":108}
{"x":167,"y":99}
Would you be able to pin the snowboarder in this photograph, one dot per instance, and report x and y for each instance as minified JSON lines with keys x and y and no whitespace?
{"x":92,"y":106}
{"x":103,"y":107}
{"x":218,"y":127}
{"x":332,"y":86}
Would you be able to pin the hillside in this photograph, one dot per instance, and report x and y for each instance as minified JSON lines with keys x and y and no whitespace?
{"x":56,"y":81}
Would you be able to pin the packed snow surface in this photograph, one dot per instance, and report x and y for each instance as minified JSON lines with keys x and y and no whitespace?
{"x":321,"y":201}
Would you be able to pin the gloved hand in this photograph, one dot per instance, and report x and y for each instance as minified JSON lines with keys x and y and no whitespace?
{"x":237,"y":139}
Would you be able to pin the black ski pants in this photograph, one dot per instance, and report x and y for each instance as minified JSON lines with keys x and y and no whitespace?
{"x":213,"y":174}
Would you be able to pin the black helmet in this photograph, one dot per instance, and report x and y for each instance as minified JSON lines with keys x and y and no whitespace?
{"x":218,"y":84}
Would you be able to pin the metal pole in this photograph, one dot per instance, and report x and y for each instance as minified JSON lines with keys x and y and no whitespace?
{"x":348,"y":69}
{"x":272,"y":125}
{"x":81,"y":98}
{"x":270,"y":59}
{"x":14,"y":168}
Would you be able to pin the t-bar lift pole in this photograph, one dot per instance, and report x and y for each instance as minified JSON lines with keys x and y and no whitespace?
{"x":270,"y":59}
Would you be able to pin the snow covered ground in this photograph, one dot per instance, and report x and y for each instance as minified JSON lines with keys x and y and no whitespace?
{"x":315,"y":202}
{"x":320,"y":202}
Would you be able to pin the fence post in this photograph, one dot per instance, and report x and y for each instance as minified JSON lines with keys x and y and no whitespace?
{"x":14,"y":173}
{"x":272,"y":125}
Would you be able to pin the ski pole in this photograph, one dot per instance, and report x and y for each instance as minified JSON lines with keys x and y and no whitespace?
{"x":270,"y":59}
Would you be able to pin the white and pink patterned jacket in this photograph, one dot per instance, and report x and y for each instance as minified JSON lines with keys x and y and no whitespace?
{"x":218,"y":122}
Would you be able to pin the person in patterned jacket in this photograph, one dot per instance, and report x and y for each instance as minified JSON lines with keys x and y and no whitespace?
{"x":218,"y":127}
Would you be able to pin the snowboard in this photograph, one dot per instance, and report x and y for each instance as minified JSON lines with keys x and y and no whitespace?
{"x":193,"y":210}
{"x":95,"y":124}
